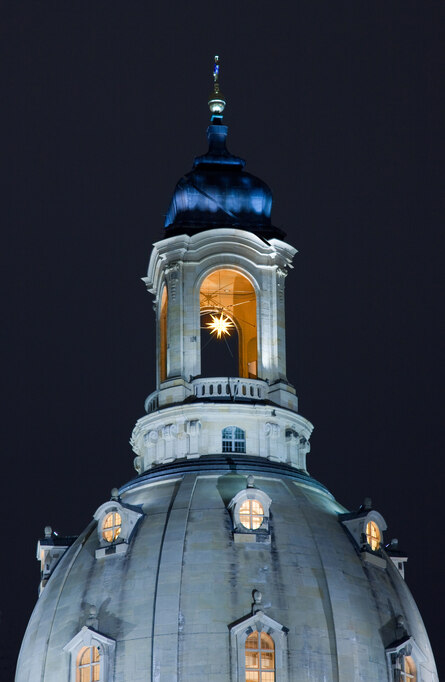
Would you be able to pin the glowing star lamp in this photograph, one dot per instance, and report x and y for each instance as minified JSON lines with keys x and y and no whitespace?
{"x":220,"y":325}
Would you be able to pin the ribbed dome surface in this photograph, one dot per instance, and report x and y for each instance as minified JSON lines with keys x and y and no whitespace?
{"x":170,"y":600}
{"x":218,"y":193}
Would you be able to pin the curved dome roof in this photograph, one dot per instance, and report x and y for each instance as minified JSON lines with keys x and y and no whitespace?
{"x":219,"y":193}
{"x":183,"y":590}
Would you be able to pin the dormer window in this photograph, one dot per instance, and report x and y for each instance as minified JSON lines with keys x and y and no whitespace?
{"x":233,"y":439}
{"x":115,"y":525}
{"x":91,"y":656}
{"x":373,"y":535}
{"x":366,"y":526}
{"x":250,"y":514}
{"x":112,"y":526}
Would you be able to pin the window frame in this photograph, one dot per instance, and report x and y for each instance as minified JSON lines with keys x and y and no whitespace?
{"x":397,"y":653}
{"x":236,"y":503}
{"x":90,"y":665}
{"x":234,"y":439}
{"x":106,"y":646}
{"x":239,"y":633}
{"x":259,"y":649}
{"x":129,"y":520}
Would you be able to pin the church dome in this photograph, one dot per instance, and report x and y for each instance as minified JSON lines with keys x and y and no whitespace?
{"x":177,"y":593}
{"x":223,"y":560}
{"x":218,"y":192}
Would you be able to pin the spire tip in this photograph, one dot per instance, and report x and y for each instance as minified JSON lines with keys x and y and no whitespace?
{"x":216,"y":103}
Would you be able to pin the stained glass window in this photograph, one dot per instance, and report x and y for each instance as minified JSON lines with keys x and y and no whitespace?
{"x":88,"y":665}
{"x":112,"y":526}
{"x":251,"y":514}
{"x":260,"y":658}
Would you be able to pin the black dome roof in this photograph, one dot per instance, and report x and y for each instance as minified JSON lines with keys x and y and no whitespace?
{"x":219,"y":193}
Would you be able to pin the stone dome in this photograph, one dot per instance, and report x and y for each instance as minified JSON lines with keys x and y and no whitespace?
{"x":189,"y":584}
{"x":218,"y":192}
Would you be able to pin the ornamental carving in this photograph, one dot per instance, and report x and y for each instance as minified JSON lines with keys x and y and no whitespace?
{"x":271,"y":430}
{"x":193,"y":427}
{"x":169,"y":431}
{"x":151,"y":437}
{"x":172,"y":274}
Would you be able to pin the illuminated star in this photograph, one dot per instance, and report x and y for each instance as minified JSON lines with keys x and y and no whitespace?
{"x":219,"y":325}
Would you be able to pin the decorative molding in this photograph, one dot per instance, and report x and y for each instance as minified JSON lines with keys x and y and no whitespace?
{"x":169,"y":431}
{"x":258,"y":622}
{"x":271,"y":430}
{"x":129,"y":519}
{"x":90,"y":637}
{"x":241,"y":534}
{"x":151,"y":437}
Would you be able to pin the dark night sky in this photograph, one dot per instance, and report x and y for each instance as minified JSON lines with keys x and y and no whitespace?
{"x":339,"y":108}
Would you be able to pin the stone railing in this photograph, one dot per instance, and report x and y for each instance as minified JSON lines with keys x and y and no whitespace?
{"x":219,"y":388}
{"x":152,"y":402}
{"x":230,"y":388}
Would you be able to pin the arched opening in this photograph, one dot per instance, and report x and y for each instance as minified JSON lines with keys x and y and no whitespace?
{"x":163,"y":335}
{"x":88,"y":665}
{"x":228,"y":312}
{"x":260,"y":658}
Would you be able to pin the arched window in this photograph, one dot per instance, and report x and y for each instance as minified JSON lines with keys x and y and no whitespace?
{"x":228,"y":309}
{"x":408,"y":671}
{"x":112,"y":526}
{"x":251,"y":514}
{"x":163,"y":335}
{"x":260,"y":657}
{"x":373,"y":536}
{"x":88,"y":665}
{"x":233,"y":439}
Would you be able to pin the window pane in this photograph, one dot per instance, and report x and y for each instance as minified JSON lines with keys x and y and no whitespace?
{"x":96,"y":672}
{"x":86,"y":656}
{"x":96,"y":654}
{"x":257,"y":507}
{"x":245,"y":507}
{"x":267,"y":677}
{"x":266,"y":641}
{"x":85,"y":674}
{"x":252,"y":641}
{"x":252,"y":659}
{"x":267,"y":659}
{"x":250,"y":676}
{"x":256,"y":522}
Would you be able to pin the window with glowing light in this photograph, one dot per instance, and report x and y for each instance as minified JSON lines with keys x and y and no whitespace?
{"x":373,"y":535}
{"x":163,"y":336}
{"x":88,"y":665}
{"x":233,"y":439}
{"x":227,"y":302}
{"x":260,"y":658}
{"x":251,"y":514}
{"x":112,"y":526}
{"x":408,"y":671}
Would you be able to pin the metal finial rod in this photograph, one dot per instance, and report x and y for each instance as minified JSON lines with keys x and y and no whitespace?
{"x":217,"y":102}
{"x":216,"y":74}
